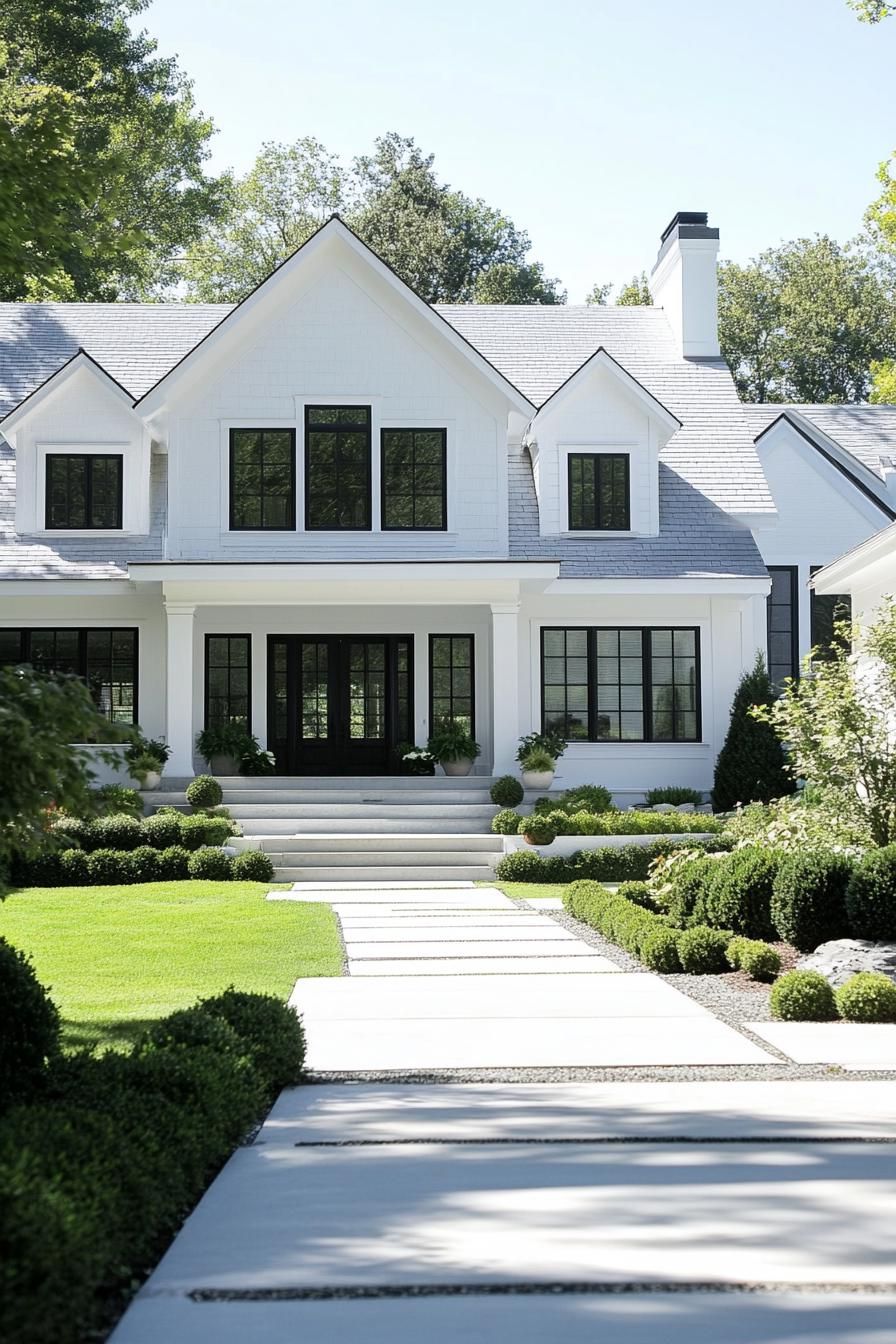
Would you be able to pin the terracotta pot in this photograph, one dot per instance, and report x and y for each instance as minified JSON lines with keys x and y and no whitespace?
{"x":462,"y":766}
{"x":538,"y":779}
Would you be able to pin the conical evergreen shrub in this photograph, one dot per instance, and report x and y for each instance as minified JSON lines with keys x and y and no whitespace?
{"x":751,"y":766}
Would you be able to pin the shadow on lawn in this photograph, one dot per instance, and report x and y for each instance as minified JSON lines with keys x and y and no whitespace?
{"x":112,"y":1033}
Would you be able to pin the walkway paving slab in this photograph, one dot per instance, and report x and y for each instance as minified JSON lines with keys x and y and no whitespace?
{"x":414,"y":933}
{"x":494,"y":947}
{"x":504,"y":965}
{"x":856,"y":1045}
{"x":780,"y":1318}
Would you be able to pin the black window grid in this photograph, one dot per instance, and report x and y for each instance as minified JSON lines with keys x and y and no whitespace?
{"x":62,"y":469}
{"x":105,"y":657}
{"x":350,"y":424}
{"x":609,"y":474}
{"x":240,"y":495}
{"x":228,"y":680}
{"x":412,"y":489}
{"x":447,"y":654}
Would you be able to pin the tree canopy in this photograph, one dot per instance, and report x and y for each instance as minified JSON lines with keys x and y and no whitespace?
{"x":101,"y":153}
{"x":872,"y":11}
{"x":804,"y":322}
{"x":448,"y":246}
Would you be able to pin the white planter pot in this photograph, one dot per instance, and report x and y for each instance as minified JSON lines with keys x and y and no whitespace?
{"x":223,"y":765}
{"x":462,"y":766}
{"x":151,"y":780}
{"x":538,"y":779}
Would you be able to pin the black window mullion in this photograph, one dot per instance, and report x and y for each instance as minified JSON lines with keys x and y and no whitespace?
{"x":600,"y":471}
{"x":647,"y":684}
{"x":592,"y":684}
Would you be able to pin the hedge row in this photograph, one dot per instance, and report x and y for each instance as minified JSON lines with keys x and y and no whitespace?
{"x":806,"y":996}
{"x":162,"y":830}
{"x":120,"y":867}
{"x":648,"y":936}
{"x":623,"y":863}
{"x":632,"y":822}
{"x":92,"y":1183}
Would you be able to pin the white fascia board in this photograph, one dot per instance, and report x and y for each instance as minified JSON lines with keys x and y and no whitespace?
{"x":12,"y":422}
{"x":352,"y":572}
{"x":855,"y":470}
{"x":602,"y":360}
{"x":839,"y":573}
{"x":62,"y":587}
{"x":156,"y":398}
{"x":708,"y":585}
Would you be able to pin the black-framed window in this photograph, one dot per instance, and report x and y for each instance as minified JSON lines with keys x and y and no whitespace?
{"x":105,"y":658}
{"x":337,"y":468}
{"x":599,"y":492}
{"x":451,"y":673}
{"x":782,"y":619}
{"x":84,"y":491}
{"x":621,"y":684}
{"x":228,"y":680}
{"x":826,"y":611}
{"x":262,"y":480}
{"x":414,"y":479}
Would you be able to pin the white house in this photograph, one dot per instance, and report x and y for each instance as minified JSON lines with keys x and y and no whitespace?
{"x":867,"y":574}
{"x":340,"y":514}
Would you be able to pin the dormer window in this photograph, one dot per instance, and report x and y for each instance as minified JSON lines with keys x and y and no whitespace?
{"x":599,"y":493}
{"x":84,"y":492}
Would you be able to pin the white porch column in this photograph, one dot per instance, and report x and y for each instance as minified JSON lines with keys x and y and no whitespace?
{"x":179,"y":687}
{"x":505,"y":686}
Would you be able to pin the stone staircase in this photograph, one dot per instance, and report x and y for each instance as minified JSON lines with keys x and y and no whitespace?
{"x":378,"y":829}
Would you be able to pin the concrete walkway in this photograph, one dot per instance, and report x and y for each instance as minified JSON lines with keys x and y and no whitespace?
{"x":367,"y":1212}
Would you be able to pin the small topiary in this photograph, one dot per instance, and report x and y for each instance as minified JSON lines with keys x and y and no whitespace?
{"x":117,"y":832}
{"x":162,"y":830}
{"x":524,"y":865}
{"x":808,"y":904}
{"x":74,"y":868}
{"x":210,"y":865}
{"x":506,"y":822}
{"x":637,"y":892}
{"x":29,"y":1025}
{"x":507,"y":792}
{"x":867,"y":997}
{"x":659,"y":951}
{"x":734,"y":949}
{"x":701,"y":950}
{"x":253,"y":865}
{"x":108,"y":867}
{"x":204,"y":791}
{"x":269,"y":1028}
{"x":192,"y":1027}
{"x":174,"y":863}
{"x":200,"y":830}
{"x":144,"y":864}
{"x":802,"y":996}
{"x":751,"y":767}
{"x":739,"y":893}
{"x":759,"y":961}
{"x":871,"y":896}
{"x":586,"y":798}
{"x":537,"y":830}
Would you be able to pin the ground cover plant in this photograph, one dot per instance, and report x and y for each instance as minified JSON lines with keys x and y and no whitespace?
{"x":118,"y":958}
{"x":622,"y":863}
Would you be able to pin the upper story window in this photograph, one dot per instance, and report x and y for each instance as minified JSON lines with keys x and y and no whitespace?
{"x":414,"y":480}
{"x":262,"y":480}
{"x":337,"y":469}
{"x":599,"y":495}
{"x":84,"y":491}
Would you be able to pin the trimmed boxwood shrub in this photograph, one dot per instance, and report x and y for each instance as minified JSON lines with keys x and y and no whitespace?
{"x":632,"y":822}
{"x":739,"y":892}
{"x":75,"y":830}
{"x":270,"y":1030}
{"x":871,"y":896}
{"x":210,"y":865}
{"x":29,"y":1025}
{"x":144,"y":864}
{"x":108,"y":867}
{"x":537,"y":830}
{"x":119,"y":831}
{"x":867,"y":996}
{"x":674,"y":795}
{"x":638,"y":893}
{"x":162,"y":830}
{"x":200,"y":830}
{"x":622,"y":863}
{"x":759,"y":961}
{"x":41,"y":870}
{"x":253,"y":865}
{"x":802,"y":996}
{"x":809,"y":898}
{"x":507,"y":792}
{"x":506,"y":822}
{"x":659,"y":951}
{"x":689,"y":886}
{"x":74,"y":868}
{"x":174,"y":863}
{"x":701,"y":950}
{"x":592,"y":798}
{"x":192,"y":1027}
{"x":204,"y":791}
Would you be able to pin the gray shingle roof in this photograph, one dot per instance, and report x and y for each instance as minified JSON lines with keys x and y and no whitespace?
{"x":710,"y":466}
{"x":867,"y":432}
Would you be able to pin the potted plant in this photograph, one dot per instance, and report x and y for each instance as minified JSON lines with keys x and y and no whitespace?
{"x":255,"y":760}
{"x":453,"y":748}
{"x":537,"y":830}
{"x":223,"y":746}
{"x":145,"y":759}
{"x":538,"y":754}
{"x":414,"y":760}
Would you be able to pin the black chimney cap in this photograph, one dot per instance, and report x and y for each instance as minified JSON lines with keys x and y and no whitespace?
{"x":694,"y":218}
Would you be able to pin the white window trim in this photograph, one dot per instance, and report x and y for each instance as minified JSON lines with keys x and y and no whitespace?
{"x":134,"y":491}
{"x":604,"y":447}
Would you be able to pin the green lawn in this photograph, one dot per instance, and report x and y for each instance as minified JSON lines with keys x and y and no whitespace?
{"x":115,"y":958}
{"x":528,"y":891}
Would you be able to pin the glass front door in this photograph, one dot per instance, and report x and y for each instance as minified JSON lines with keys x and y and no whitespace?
{"x":338,"y":705}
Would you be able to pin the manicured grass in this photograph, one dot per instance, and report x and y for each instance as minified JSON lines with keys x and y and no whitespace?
{"x":117,"y":958}
{"x":528,"y":891}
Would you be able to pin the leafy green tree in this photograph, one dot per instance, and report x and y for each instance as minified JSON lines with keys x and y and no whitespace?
{"x":872,"y":11}
{"x":40,"y":716}
{"x":637,"y":291}
{"x":751,"y":767}
{"x":883,"y":387}
{"x":805,"y":321}
{"x":447,"y":246}
{"x":599,"y":296}
{"x":837,"y":723}
{"x":134,"y":193}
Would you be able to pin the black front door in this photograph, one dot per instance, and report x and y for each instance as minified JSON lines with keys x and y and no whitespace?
{"x":338,"y":705}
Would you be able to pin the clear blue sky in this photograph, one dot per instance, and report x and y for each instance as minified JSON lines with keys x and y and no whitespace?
{"x":590,"y":122}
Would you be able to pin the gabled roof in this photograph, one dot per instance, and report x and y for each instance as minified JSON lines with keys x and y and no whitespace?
{"x":866,"y":432}
{"x":868,"y":482}
{"x":262,"y":294}
{"x":79,"y":360}
{"x":602,"y":359}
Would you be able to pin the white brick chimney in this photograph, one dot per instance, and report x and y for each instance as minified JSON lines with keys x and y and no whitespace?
{"x":684,"y":282}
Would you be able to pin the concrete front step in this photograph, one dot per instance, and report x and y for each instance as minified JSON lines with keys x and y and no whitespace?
{"x":408,"y":873}
{"x":375,"y":858}
{"x":302,"y":826}
{"x":376,"y":844}
{"x":397,"y":811}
